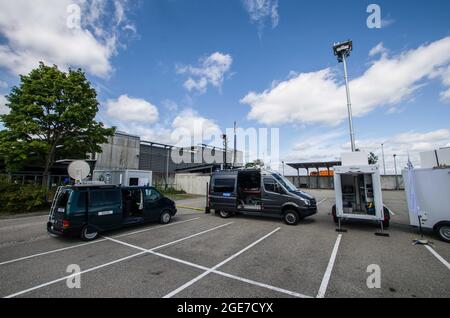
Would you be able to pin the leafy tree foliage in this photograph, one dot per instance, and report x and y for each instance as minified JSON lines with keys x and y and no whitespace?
{"x":51,"y":113}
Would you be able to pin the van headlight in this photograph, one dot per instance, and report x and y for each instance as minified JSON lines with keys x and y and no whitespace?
{"x":306,"y":201}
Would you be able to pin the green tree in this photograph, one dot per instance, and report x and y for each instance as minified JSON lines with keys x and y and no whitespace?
{"x":51,"y":111}
{"x":373,"y":159}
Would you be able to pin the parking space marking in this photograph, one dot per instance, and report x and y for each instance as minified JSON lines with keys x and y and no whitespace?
{"x":390,"y":211}
{"x":321,"y":201}
{"x":112,"y":262}
{"x":157,"y":227}
{"x":327,"y":275}
{"x":439,"y":257}
{"x":196,"y":279}
{"x":73,"y":275}
{"x":204,"y":268}
{"x":89,"y":243}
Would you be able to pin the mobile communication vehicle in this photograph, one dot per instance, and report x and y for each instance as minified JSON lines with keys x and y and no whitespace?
{"x":258,"y":192}
{"x":87,"y":210}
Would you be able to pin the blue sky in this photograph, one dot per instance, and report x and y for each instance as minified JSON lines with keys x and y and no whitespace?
{"x":140,"y":56}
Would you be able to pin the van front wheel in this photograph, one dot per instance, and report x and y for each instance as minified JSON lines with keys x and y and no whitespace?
{"x":88,"y":234}
{"x":165,"y":217}
{"x":291,"y":217}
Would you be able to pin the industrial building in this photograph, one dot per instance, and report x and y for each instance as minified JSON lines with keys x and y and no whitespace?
{"x":128,"y":152}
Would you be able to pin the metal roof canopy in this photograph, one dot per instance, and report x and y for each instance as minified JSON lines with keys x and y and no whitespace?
{"x":314,"y":165}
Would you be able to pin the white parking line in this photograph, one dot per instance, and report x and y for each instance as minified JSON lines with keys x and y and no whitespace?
{"x":439,"y":257}
{"x":89,"y":243}
{"x":321,"y":201}
{"x":390,"y":211}
{"x":327,"y":275}
{"x":73,"y":275}
{"x":196,"y":279}
{"x":111,"y":263}
{"x":245,"y":280}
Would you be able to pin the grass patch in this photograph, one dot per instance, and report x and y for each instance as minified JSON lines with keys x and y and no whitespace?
{"x":175,"y":194}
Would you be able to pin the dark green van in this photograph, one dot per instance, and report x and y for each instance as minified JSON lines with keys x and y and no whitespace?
{"x":87,"y":210}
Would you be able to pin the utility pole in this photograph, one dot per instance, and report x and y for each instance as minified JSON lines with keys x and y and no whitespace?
{"x":235,"y":145}
{"x":342,"y":51}
{"x":225,"y":149}
{"x":396,"y":176}
{"x":167,"y":167}
{"x":384,"y":162}
{"x":283,"y":167}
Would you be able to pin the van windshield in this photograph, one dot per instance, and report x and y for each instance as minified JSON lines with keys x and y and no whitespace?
{"x":285,"y":182}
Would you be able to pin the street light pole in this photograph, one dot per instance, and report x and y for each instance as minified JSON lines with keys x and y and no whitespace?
{"x":349,"y":105}
{"x":342,"y":51}
{"x":396,"y":176}
{"x":384,"y":162}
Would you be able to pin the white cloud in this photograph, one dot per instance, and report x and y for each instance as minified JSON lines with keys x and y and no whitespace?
{"x":319,"y":97}
{"x":3,"y":85}
{"x":140,"y":117}
{"x":379,"y":49}
{"x":3,"y":109}
{"x":387,"y":22}
{"x":39,"y":30}
{"x":189,"y":128}
{"x":132,"y":109}
{"x":445,"y":96}
{"x":261,"y":11}
{"x":329,"y":146}
{"x":211,"y":71}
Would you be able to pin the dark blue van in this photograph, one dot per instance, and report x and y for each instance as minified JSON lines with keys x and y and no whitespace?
{"x":87,"y":210}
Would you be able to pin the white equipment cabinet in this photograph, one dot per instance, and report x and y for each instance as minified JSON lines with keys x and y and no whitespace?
{"x":358,"y":192}
{"x":123,"y":177}
{"x":357,"y":187}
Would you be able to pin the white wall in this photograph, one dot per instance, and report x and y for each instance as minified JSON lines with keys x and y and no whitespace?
{"x":192,"y":183}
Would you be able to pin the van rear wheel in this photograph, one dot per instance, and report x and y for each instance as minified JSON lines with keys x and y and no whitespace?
{"x":291,"y":217}
{"x":88,"y":234}
{"x":165,"y":218}
{"x":224,"y":214}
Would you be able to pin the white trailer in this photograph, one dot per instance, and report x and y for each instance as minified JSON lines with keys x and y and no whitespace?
{"x":357,"y":187}
{"x":432,"y":196}
{"x":123,"y":177}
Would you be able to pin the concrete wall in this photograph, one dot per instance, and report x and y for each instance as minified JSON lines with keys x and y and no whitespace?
{"x":120,"y":153}
{"x":387,"y":182}
{"x":192,"y":183}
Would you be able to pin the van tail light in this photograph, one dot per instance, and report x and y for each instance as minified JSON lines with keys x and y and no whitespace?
{"x":66,"y":224}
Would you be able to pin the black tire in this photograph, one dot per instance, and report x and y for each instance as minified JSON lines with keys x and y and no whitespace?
{"x":333,"y":213}
{"x":387,"y":217}
{"x":291,"y":217}
{"x":165,"y":217}
{"x":87,"y":234}
{"x":225,"y":214}
{"x":443,"y":231}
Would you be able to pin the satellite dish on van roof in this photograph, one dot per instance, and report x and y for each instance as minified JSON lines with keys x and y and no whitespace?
{"x":79,"y":170}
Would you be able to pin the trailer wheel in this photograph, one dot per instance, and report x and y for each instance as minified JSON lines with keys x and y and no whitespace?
{"x":443,"y":230}
{"x":333,"y":213}
{"x":291,"y":217}
{"x":165,"y":217}
{"x":387,"y":218}
{"x":87,"y":234}
{"x":225,"y":214}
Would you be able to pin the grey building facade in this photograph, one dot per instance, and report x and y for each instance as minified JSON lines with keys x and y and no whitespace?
{"x":125,"y":151}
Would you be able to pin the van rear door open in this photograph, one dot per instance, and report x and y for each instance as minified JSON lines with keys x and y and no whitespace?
{"x":105,"y":209}
{"x":223,"y":192}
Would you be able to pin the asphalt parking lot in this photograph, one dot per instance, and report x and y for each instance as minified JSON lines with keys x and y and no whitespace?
{"x":200,"y":255}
